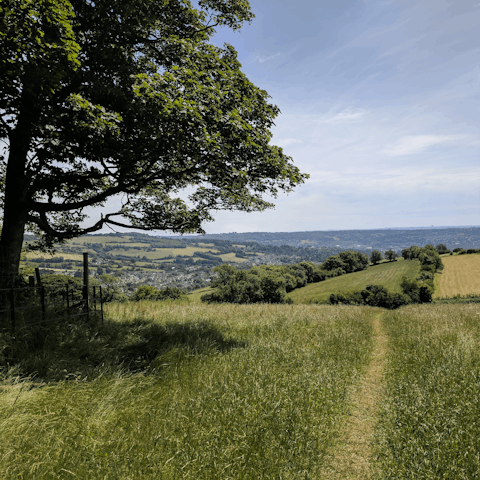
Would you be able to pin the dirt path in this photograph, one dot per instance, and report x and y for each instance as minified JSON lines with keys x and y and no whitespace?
{"x":350,"y":458}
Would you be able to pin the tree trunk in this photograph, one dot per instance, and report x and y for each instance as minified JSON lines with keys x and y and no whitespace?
{"x":16,"y":206}
{"x":14,"y":220}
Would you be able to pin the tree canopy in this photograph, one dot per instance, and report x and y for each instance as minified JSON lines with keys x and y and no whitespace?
{"x":128,"y":98}
{"x":375,"y":256}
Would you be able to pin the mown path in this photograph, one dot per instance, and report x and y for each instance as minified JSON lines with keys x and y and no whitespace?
{"x":351,"y":457}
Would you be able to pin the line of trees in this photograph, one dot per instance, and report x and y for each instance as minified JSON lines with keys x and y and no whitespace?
{"x":271,"y":283}
{"x":414,"y":290}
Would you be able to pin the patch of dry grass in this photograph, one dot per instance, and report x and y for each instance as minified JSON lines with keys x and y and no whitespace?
{"x":460,"y":276}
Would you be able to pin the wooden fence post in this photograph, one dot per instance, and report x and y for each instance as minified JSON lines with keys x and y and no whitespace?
{"x":42,"y":297}
{"x":101,"y":302}
{"x":37,"y":275}
{"x":12,"y":308}
{"x":85,"y":284}
{"x":68,"y":300}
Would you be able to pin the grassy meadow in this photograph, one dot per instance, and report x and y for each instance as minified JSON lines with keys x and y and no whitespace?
{"x":429,"y":424}
{"x":461,"y":276}
{"x":172,"y":391}
{"x":184,"y":390}
{"x":387,"y":274}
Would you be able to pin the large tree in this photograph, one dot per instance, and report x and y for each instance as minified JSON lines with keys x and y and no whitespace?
{"x":129,"y":98}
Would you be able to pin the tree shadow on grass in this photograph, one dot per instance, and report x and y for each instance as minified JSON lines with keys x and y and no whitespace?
{"x":78,"y":351}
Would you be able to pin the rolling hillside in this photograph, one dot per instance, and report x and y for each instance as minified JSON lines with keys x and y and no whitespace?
{"x":387,"y":274}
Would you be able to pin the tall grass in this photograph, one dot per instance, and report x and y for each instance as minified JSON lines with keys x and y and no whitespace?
{"x":429,"y":426}
{"x":173,"y":391}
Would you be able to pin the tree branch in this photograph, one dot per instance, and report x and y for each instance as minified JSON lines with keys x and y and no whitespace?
{"x":42,"y":223}
{"x":42,"y":207}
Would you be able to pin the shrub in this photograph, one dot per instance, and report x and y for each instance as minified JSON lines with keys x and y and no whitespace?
{"x":319,"y":275}
{"x":149,"y":292}
{"x":418,"y":292}
{"x":373,"y":296}
{"x":442,"y":249}
{"x":257,"y":285}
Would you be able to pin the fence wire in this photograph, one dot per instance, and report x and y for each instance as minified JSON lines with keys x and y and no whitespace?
{"x":27,"y":307}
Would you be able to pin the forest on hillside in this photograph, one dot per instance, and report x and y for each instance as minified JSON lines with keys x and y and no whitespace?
{"x":384,"y":239}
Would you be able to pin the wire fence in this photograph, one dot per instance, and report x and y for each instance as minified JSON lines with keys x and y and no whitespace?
{"x":27,"y":307}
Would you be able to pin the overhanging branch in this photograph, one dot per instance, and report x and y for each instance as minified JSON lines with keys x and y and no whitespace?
{"x":42,"y":207}
{"x":42,"y":223}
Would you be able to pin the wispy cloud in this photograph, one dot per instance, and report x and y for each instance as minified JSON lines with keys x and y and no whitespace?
{"x":412,"y":144}
{"x":345,"y":115}
{"x":397,"y":181}
{"x":287,"y":141}
{"x":401,"y":47}
{"x":263,"y":59}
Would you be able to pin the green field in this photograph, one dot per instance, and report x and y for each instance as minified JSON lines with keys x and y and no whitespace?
{"x":195,"y":295}
{"x":66,"y":256}
{"x":387,"y":274}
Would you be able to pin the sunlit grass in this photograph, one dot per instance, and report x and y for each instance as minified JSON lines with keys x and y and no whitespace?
{"x":430,"y":425}
{"x":170,"y":391}
{"x":459,"y":277}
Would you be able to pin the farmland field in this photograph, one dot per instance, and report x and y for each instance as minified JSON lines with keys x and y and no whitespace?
{"x":159,"y":253}
{"x":388,"y":274}
{"x":66,"y":256}
{"x":461,"y":276}
{"x":231,"y":257}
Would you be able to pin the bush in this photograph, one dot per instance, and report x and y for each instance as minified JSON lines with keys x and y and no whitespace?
{"x":373,"y":296}
{"x":337,"y":272}
{"x":418,"y":292}
{"x":254,"y":286}
{"x":319,"y":275}
{"x":149,"y":292}
{"x":442,"y":249}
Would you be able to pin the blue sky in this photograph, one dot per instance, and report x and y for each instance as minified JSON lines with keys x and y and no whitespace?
{"x":380,"y":105}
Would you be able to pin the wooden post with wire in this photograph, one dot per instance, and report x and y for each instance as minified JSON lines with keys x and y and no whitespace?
{"x":85,"y":284}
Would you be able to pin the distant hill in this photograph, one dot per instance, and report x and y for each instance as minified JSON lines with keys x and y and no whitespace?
{"x":395,"y":239}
